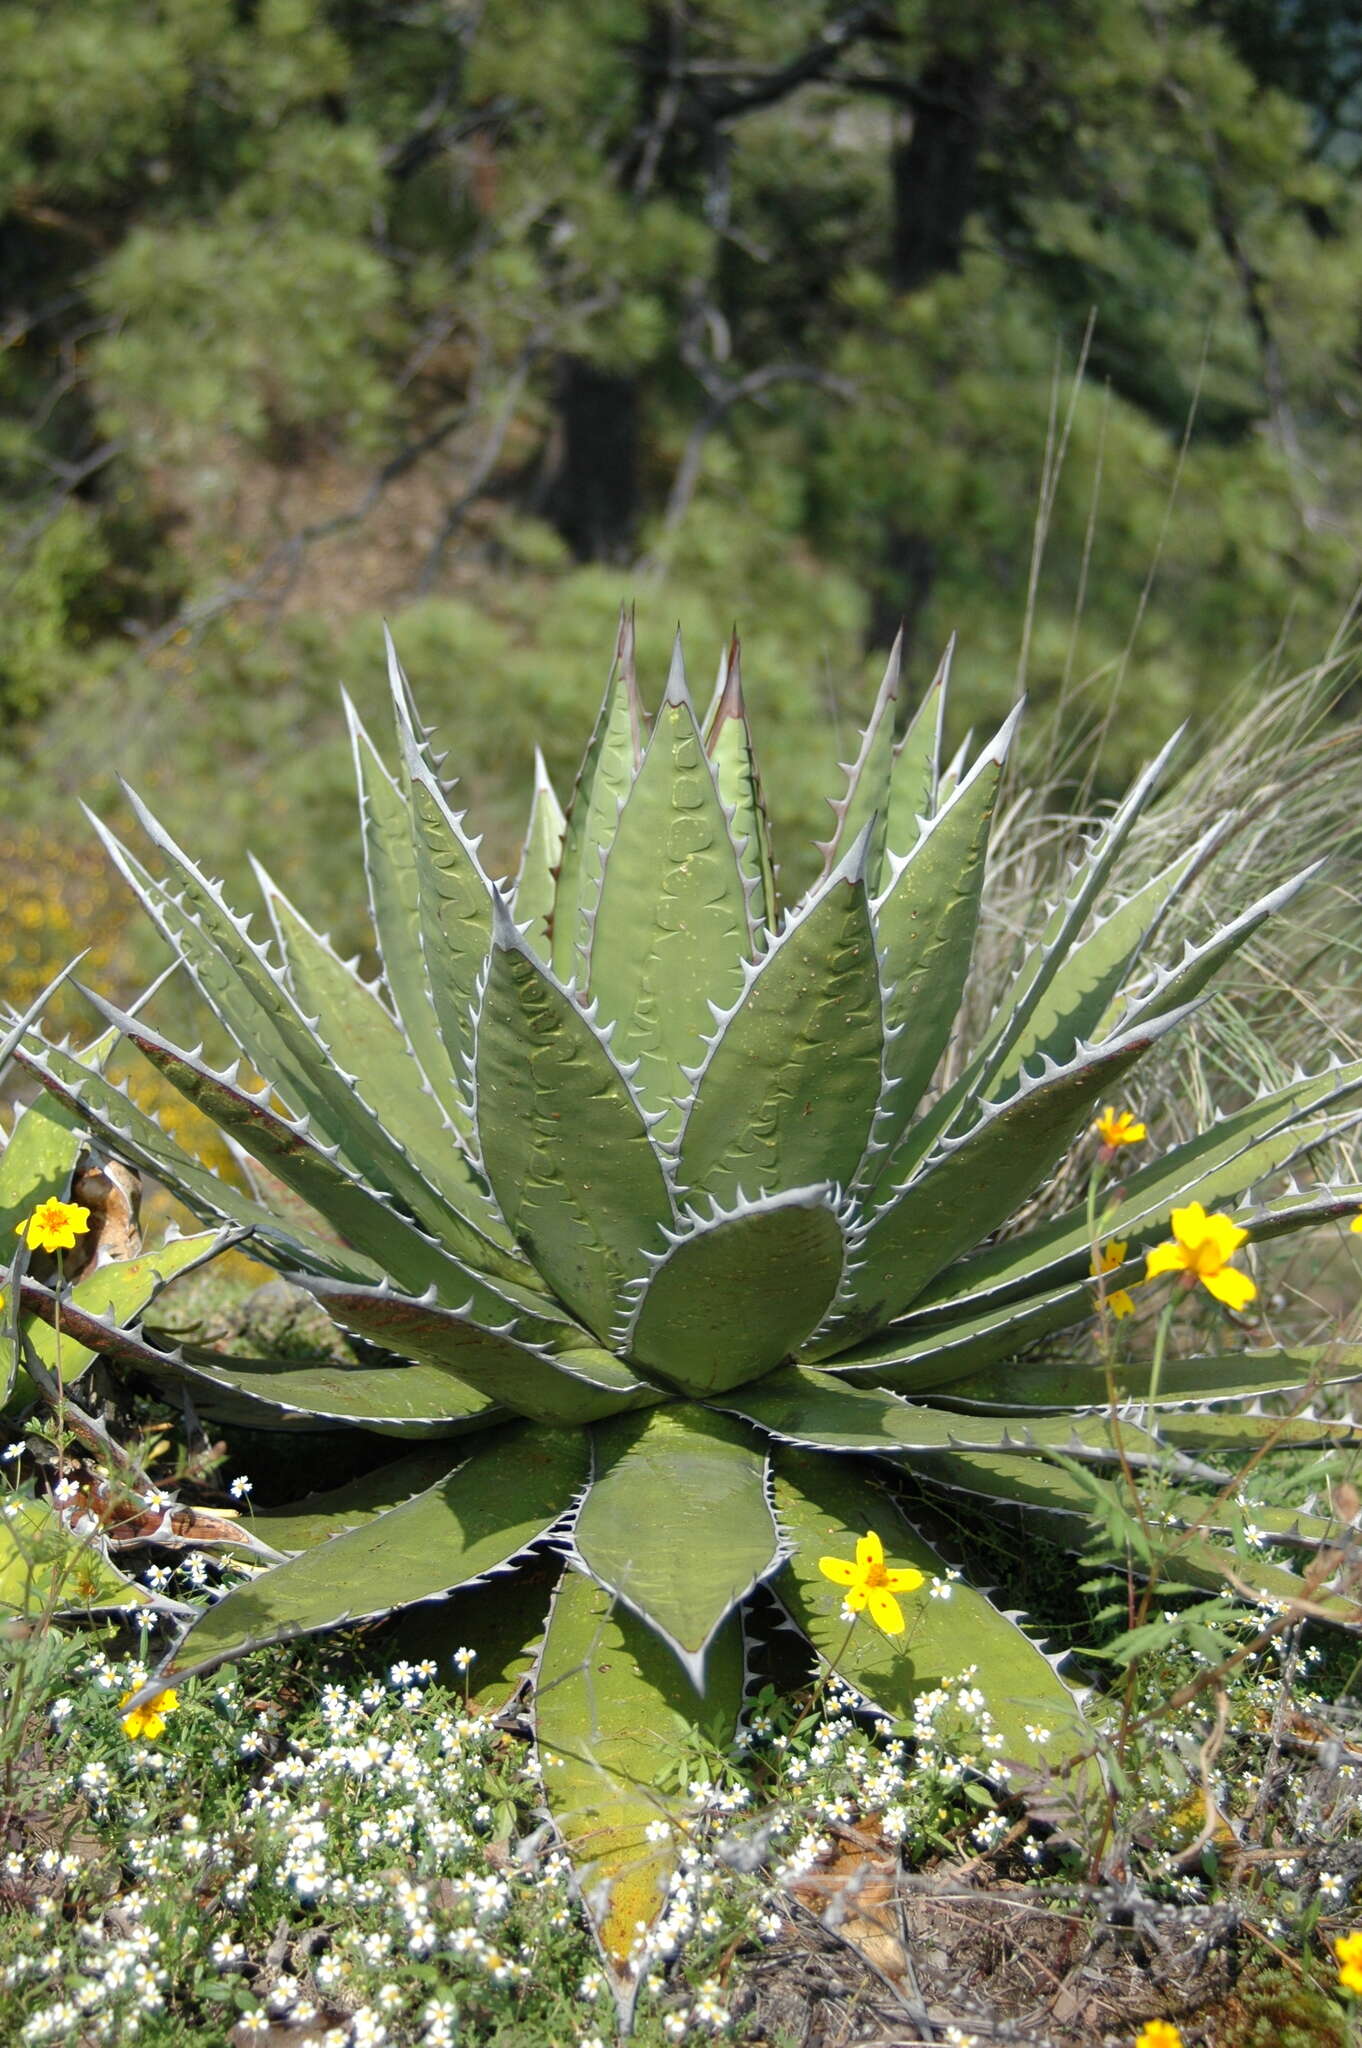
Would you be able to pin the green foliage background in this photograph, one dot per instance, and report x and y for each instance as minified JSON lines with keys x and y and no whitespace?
{"x":485,"y":318}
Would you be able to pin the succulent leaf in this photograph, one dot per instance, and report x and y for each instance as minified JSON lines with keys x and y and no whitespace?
{"x":787,"y":1091}
{"x":974,"y":1184}
{"x":582,"y":1216}
{"x":263,"y":1393}
{"x":317,"y":1517}
{"x":352,"y":1022}
{"x":1080,"y":996}
{"x":728,"y":742}
{"x":825,"y":1507}
{"x":131,"y":1134}
{"x":677,"y":1523}
{"x":608,"y":768}
{"x":738,"y":1291}
{"x":116,"y":1292}
{"x":1220,"y":1376}
{"x":866,"y":803}
{"x":540,"y":861}
{"x":395,"y":905}
{"x":925,"y":921}
{"x":614,"y":1716}
{"x":489,"y":1509}
{"x":509,"y":1365}
{"x":671,"y":927}
{"x":366,"y":1218}
{"x":916,"y":772}
{"x":1213,"y":1168}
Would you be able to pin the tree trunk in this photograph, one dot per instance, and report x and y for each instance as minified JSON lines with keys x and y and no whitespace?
{"x":933,"y":166}
{"x":933,"y":169}
{"x":593,"y":497}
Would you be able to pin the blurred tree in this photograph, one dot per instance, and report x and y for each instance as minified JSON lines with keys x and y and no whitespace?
{"x":663,"y":272}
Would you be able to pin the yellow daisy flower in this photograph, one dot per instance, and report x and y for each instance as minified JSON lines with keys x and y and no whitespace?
{"x":1158,"y":2034}
{"x":1106,"y":1259}
{"x":148,"y":1722}
{"x":871,"y":1583}
{"x":54,"y":1226}
{"x":1117,"y":1127}
{"x":1348,"y":1949}
{"x":1200,"y":1250}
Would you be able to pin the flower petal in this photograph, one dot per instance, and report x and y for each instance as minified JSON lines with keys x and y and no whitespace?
{"x":1165,"y":1258}
{"x":1189,"y":1225}
{"x":1120,"y":1304}
{"x":839,"y":1569}
{"x":905,"y":1579}
{"x":869,"y":1550}
{"x":885,"y":1612}
{"x":1231,"y":1286}
{"x":1225,"y":1235}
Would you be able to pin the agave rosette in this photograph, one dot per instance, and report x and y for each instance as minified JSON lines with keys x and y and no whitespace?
{"x":646,"y":1206}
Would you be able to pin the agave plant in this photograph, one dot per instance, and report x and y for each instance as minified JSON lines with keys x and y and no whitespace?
{"x":647,"y":1202}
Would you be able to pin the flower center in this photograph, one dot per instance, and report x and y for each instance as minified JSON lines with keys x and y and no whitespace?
{"x":875,"y":1575}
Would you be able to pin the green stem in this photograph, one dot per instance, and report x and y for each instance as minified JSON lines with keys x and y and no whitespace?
{"x":1160,"y":1345}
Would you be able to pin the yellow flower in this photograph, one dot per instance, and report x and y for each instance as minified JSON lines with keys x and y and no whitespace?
{"x":1348,"y":1949}
{"x":872,"y":1583}
{"x":1117,"y":1127}
{"x":1356,"y":1225}
{"x":149,"y":1721}
{"x":54,"y":1226}
{"x":1204,"y":1245}
{"x":1158,"y":2034}
{"x":1106,"y":1259}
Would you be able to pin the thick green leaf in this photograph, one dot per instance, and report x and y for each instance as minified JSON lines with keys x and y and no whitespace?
{"x":133,"y":1135}
{"x":564,"y":1142}
{"x":38,"y":1160}
{"x":677,"y":1523}
{"x":787,"y":1091}
{"x":46,"y":1570}
{"x":539,"y":861}
{"x":1077,"y":1002}
{"x":1226,"y":1376}
{"x":394,"y":1400}
{"x":739,"y":1292}
{"x":925,"y":922}
{"x":866,"y":803}
{"x":318,"y":1516}
{"x":615,"y":1720}
{"x":934,"y":1351}
{"x":671,"y":928}
{"x":115,"y":1293}
{"x":455,"y":904}
{"x":501,"y":1621}
{"x":1213,"y":1168}
{"x":1190,"y":1430}
{"x":817,"y":1412}
{"x":359,"y":1034}
{"x":1200,"y":965}
{"x":1022,"y":1002}
{"x":250,"y":996}
{"x":501,"y":1499}
{"x":974,"y":1185}
{"x":575,"y":1385}
{"x":363,"y":1216}
{"x":395,"y":905}
{"x":728,"y":740}
{"x":917,"y":766}
{"x":824,"y":1507}
{"x":603,"y":781}
{"x":1062,"y":1502}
